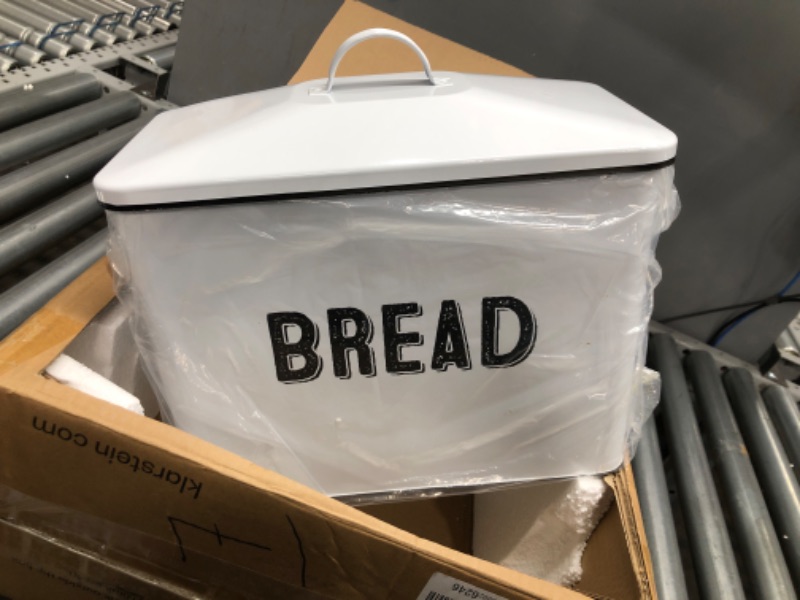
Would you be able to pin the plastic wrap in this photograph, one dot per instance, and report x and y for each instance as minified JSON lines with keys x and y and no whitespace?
{"x":530,"y":299}
{"x":86,"y":556}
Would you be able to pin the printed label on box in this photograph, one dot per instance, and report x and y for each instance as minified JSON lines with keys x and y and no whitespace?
{"x":444,"y":587}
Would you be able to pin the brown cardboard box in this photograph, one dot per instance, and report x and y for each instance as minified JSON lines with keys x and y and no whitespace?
{"x":210,"y":518}
{"x":34,"y":565}
{"x":47,"y":551}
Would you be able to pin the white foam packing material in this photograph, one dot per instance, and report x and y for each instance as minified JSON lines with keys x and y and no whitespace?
{"x":106,"y":346}
{"x":70,"y":372}
{"x":540,"y":530}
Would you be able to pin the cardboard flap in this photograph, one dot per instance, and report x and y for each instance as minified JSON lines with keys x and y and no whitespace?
{"x":383,"y":56}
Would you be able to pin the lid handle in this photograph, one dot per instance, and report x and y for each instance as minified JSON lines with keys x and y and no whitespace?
{"x":371,"y":34}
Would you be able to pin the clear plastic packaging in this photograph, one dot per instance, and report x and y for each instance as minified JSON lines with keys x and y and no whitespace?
{"x":77,"y":552}
{"x":424,"y":339}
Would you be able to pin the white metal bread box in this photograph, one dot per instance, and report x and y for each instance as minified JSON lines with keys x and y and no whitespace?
{"x":403,"y":282}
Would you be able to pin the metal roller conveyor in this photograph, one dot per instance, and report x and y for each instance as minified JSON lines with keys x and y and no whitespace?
{"x":108,"y":16}
{"x":68,"y":31}
{"x":778,"y":483}
{"x":27,"y":187}
{"x":28,"y":296}
{"x":750,"y":523}
{"x":648,"y":469}
{"x":34,"y":233}
{"x":161,"y":57}
{"x":783,"y":412}
{"x":95,"y":23}
{"x":20,"y":51}
{"x":712,"y":553}
{"x":157,"y":21}
{"x":171,"y":11}
{"x":125,"y":33}
{"x":33,"y":101}
{"x":37,"y":39}
{"x":6,"y":62}
{"x":50,"y":11}
{"x":58,"y":130}
{"x":135,"y":19}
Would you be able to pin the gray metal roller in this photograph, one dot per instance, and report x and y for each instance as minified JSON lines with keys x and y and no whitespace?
{"x":66,"y":127}
{"x":169,"y":12}
{"x":25,"y":15}
{"x":25,"y":103}
{"x":161,"y":57}
{"x":126,"y":33}
{"x":138,"y":24}
{"x":37,"y":39}
{"x":749,"y":518}
{"x":34,"y":233}
{"x":771,"y":464}
{"x":158,"y":22}
{"x":52,"y":10}
{"x":28,"y":296}
{"x":89,"y":26}
{"x":712,"y":552}
{"x":24,"y":53}
{"x":101,"y":11}
{"x":27,"y":187}
{"x":6,"y":62}
{"x":783,"y":411}
{"x":659,"y":524}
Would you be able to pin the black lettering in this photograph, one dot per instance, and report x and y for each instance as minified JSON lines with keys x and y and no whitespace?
{"x":285,"y":353}
{"x":160,"y":474}
{"x":490,"y":331}
{"x":451,"y":346}
{"x":341,"y":343}
{"x":122,"y":454}
{"x":80,"y":440}
{"x":173,"y":477}
{"x":64,"y":434}
{"x":195,"y":487}
{"x":135,"y":463}
{"x":394,"y":340}
{"x":147,"y":467}
{"x":44,"y":427}
{"x":104,"y":451}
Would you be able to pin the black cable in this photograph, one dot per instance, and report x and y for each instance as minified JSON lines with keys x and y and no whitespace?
{"x":709,"y":311}
{"x":715,"y":337}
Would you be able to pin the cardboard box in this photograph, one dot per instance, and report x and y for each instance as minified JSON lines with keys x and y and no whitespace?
{"x":47,"y":551}
{"x":198,"y":507}
{"x":207,"y":518}
{"x":34,"y":565}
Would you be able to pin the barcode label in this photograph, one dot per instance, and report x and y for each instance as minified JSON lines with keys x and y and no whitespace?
{"x":444,"y":587}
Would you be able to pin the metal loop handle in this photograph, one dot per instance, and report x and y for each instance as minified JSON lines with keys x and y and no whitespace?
{"x":371,"y":34}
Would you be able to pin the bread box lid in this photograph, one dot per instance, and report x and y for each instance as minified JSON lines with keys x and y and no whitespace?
{"x":362,"y":133}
